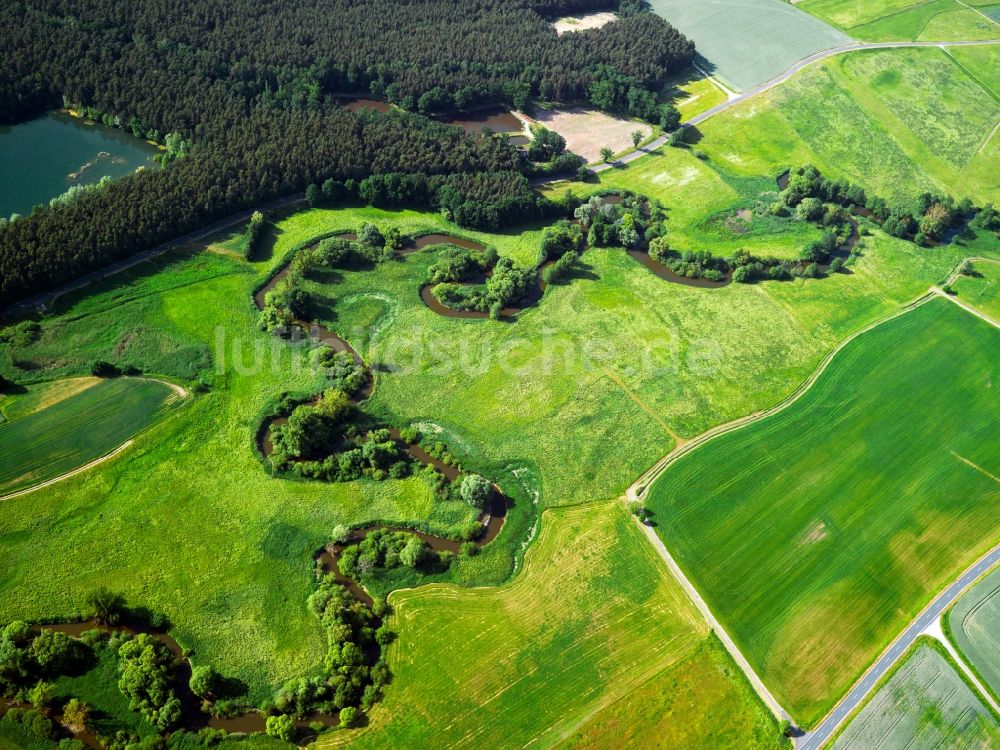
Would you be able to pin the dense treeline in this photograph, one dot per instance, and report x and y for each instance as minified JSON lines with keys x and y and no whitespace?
{"x":268,"y":155}
{"x":247,"y":88}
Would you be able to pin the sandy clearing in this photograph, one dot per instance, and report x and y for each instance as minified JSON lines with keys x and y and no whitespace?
{"x":587,"y":131}
{"x":569,"y":24}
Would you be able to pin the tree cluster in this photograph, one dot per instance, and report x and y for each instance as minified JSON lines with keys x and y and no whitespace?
{"x":147,"y":678}
{"x":353,"y":670}
{"x":28,"y":659}
{"x":385,"y":550}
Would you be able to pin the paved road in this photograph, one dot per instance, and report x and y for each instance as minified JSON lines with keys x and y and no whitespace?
{"x":45,"y":298}
{"x":816,"y":738}
{"x":750,"y":93}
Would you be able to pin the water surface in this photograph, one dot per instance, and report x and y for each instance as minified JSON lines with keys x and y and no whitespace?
{"x":45,"y":157}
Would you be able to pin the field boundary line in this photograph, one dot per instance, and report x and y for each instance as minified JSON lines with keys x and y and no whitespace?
{"x":179,"y":390}
{"x":638,"y":488}
{"x":68,"y":474}
{"x":936,"y":631}
{"x":966,"y":306}
{"x":974,"y":9}
{"x":702,"y":606}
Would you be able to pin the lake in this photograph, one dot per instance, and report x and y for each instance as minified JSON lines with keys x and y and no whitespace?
{"x":45,"y":157}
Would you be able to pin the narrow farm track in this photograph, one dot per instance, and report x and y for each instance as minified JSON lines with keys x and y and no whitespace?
{"x":750,"y":93}
{"x":816,"y":738}
{"x":68,"y":474}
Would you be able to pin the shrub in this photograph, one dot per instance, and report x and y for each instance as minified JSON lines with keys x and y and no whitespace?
{"x":348,"y":716}
{"x":476,"y":491}
{"x":56,"y":653}
{"x":282,"y":727}
{"x":108,"y":607}
{"x":204,"y":680}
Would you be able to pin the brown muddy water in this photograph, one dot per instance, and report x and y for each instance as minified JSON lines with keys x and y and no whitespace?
{"x":497,"y":119}
{"x":783,"y":180}
{"x":669,"y":275}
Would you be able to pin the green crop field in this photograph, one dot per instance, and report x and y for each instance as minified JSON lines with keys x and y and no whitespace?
{"x":982,"y":291}
{"x":897,"y":121}
{"x":848,"y":504}
{"x":588,"y":632}
{"x":973,"y":624}
{"x":907,"y":20}
{"x":76,"y":430}
{"x":924,"y":705}
{"x":748,"y":43}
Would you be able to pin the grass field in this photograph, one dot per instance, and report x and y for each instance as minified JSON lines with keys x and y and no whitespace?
{"x":857,"y":115}
{"x":906,"y":20}
{"x":76,"y":430}
{"x":924,"y":705}
{"x":850,"y":505}
{"x":982,"y":291}
{"x":693,"y":93}
{"x":973,"y":624}
{"x":750,"y":42}
{"x":592,"y":631}
{"x":571,"y":401}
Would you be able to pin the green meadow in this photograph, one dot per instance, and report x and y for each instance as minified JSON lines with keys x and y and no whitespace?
{"x":908,"y":20}
{"x":849,"y":504}
{"x":981,"y":290}
{"x":590,"y":630}
{"x":897,"y":121}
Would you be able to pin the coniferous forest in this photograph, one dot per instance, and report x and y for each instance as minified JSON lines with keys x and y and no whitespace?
{"x":251,"y":89}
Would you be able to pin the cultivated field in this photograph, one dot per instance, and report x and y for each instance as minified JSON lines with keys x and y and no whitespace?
{"x":924,"y":705}
{"x":849,"y":506}
{"x":750,"y":42}
{"x":896,"y":121}
{"x":907,"y":20}
{"x":587,"y":131}
{"x":982,"y":291}
{"x":592,"y":624}
{"x":974,"y":626}
{"x":92,"y":421}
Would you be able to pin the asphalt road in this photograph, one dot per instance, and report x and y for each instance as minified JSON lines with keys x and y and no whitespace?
{"x":816,"y":738}
{"x":750,"y":93}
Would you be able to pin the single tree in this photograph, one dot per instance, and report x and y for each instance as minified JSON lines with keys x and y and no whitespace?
{"x":607,"y":154}
{"x":281,"y":727}
{"x":637,"y":136}
{"x":204,"y":680}
{"x":108,"y":607}
{"x":75,"y":715}
{"x":475,"y":490}
{"x":348,"y":715}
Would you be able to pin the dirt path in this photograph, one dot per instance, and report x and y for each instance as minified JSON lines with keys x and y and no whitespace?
{"x":68,"y":474}
{"x":180,"y":390}
{"x":635,"y":493}
{"x":678,"y":440}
